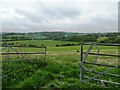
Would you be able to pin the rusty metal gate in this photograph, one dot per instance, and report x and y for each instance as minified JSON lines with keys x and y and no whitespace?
{"x":98,"y":64}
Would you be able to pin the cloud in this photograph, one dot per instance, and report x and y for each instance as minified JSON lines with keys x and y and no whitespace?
{"x":77,"y":16}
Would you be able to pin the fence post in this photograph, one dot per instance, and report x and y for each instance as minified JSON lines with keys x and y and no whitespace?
{"x":8,"y":57}
{"x":81,"y":58}
{"x":45,"y":55}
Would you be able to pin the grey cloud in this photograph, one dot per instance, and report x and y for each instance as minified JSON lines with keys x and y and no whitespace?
{"x":52,"y":17}
{"x":34,"y":17}
{"x":61,"y":12}
{"x":43,"y":13}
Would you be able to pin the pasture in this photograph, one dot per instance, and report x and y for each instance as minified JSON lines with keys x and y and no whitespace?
{"x":62,"y":69}
{"x":48,"y":43}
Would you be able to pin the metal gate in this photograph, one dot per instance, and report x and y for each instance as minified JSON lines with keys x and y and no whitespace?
{"x":9,"y":53}
{"x":18,"y":60}
{"x":94,"y":68}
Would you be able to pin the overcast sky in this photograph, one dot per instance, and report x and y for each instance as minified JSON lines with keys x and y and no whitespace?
{"x":63,"y":15}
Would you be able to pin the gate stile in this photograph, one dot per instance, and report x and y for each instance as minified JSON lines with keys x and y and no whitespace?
{"x":82,"y":62}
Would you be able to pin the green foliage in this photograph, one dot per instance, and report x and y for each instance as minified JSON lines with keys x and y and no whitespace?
{"x":83,"y":38}
{"x":113,"y":39}
{"x":63,"y":36}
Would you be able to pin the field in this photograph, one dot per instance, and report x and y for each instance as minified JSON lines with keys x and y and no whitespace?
{"x":62,"y":69}
{"x":48,"y":43}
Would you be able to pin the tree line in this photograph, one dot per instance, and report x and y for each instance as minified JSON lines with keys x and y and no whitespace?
{"x":113,"y":37}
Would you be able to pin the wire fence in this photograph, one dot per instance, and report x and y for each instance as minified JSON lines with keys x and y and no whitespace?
{"x":100,"y":62}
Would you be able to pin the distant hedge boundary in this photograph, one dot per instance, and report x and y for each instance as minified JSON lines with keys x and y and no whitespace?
{"x":62,"y":45}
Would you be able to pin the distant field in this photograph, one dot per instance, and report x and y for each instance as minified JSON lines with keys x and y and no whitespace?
{"x":101,"y":39}
{"x":42,"y":42}
{"x":62,"y":70}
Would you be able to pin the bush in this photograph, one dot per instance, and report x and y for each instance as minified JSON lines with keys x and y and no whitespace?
{"x":57,"y":45}
{"x":32,"y":45}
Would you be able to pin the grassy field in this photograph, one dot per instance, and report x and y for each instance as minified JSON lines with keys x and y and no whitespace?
{"x":62,"y":69}
{"x":30,"y":36}
{"x":48,"y":43}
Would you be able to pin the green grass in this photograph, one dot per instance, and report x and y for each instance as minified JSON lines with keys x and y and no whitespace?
{"x":42,"y":42}
{"x":62,"y":70}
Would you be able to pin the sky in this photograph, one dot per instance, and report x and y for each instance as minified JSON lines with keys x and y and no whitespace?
{"x":83,"y":16}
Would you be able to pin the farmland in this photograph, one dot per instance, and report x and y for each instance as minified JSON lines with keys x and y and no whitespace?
{"x":50,"y":43}
{"x":62,"y":69}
